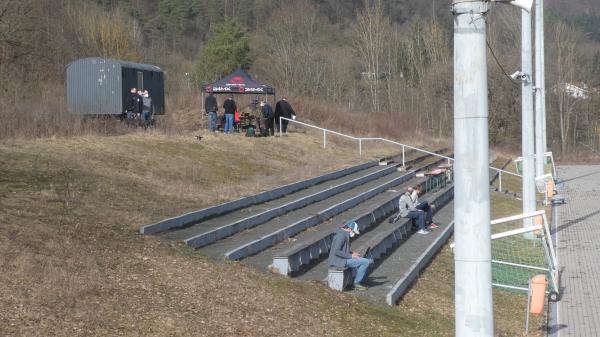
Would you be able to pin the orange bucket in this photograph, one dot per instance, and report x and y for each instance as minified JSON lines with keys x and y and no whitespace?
{"x":550,"y":188}
{"x":539,"y":283}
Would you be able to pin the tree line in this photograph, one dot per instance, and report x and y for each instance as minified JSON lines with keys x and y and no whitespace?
{"x":371,"y":59}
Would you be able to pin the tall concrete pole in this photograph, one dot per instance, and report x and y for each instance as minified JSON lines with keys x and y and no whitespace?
{"x":527,"y":130}
{"x":539,"y":117}
{"x":472,"y":253}
{"x":543,"y":78}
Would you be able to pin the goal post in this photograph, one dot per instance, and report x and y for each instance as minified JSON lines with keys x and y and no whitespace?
{"x":516,"y":257}
{"x":549,"y":161}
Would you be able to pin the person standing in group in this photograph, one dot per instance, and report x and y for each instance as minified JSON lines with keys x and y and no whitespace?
{"x":132,"y":105}
{"x":230,"y":108}
{"x":146,"y":108}
{"x":211,"y":107}
{"x":283,"y":109}
{"x":268,"y":116}
{"x":140,"y":103}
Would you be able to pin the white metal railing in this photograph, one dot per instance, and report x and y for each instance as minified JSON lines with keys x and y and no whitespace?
{"x":403,"y":146}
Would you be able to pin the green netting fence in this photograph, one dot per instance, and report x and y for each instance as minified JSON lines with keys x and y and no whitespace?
{"x":520,"y":253}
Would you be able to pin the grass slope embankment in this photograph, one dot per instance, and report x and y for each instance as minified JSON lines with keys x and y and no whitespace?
{"x":73,"y":263}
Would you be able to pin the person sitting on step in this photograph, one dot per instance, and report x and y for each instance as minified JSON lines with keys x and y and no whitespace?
{"x":407,"y":209}
{"x":341,"y":256}
{"x":424,"y":206}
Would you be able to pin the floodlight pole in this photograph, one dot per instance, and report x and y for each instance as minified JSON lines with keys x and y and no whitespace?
{"x":472,"y":253}
{"x":527,"y":129}
{"x":543,"y":77}
{"x":539,"y":116}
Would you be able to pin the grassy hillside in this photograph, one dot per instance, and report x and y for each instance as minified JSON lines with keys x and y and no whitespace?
{"x":74,"y":265}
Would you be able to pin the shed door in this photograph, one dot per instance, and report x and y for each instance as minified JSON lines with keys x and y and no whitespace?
{"x":140,"y":80}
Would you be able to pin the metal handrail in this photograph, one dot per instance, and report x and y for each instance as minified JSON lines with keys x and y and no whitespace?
{"x":361,"y":139}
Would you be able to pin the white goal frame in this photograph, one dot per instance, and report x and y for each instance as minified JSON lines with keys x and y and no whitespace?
{"x":547,"y":244}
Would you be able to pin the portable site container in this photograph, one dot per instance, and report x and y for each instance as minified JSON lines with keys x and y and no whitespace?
{"x":100,"y":86}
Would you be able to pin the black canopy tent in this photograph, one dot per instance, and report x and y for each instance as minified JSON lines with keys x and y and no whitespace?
{"x":238,"y":82}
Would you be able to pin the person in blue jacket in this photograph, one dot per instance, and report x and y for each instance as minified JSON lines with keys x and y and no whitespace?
{"x":230,"y":108}
{"x":268,"y":117}
{"x":341,"y":256}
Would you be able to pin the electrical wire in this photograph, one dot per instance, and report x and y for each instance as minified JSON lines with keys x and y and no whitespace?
{"x":499,"y":64}
{"x":495,"y":58}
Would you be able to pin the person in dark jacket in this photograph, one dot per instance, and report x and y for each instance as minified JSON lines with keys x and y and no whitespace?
{"x":283,"y":109}
{"x":131,"y":104}
{"x":211,"y":107}
{"x":230,"y":108}
{"x":268,"y":117}
{"x":140,"y":103}
{"x":341,"y":256}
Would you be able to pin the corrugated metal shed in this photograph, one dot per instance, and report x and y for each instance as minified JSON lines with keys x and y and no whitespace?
{"x":100,"y":86}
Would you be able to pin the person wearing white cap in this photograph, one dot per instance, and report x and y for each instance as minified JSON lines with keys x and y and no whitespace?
{"x":341,"y":256}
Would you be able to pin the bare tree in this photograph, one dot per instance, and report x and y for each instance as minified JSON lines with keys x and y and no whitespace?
{"x":567,"y":70}
{"x":17,"y":27}
{"x":294,"y":48}
{"x":426,"y":65}
{"x":106,"y":34}
{"x":371,"y":31}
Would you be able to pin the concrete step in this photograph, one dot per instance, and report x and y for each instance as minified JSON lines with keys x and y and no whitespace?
{"x":252,"y":210}
{"x":356,"y":197}
{"x":202,"y":236}
{"x":290,"y":257}
{"x":206,"y":213}
{"x":312,"y":244}
{"x":389,"y":235}
{"x":256,"y":239}
{"x":378,"y":237}
{"x":391,"y":278}
{"x":216,"y":228}
{"x":216,"y":221}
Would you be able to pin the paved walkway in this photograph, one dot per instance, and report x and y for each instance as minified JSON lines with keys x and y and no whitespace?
{"x":578,"y":250}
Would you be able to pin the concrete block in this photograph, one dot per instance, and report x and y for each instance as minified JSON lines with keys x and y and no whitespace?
{"x":339,"y":278}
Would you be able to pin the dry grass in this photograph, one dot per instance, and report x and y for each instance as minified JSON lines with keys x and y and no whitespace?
{"x":579,"y":156}
{"x":40,"y":110}
{"x":396,"y":126}
{"x":74,"y":265}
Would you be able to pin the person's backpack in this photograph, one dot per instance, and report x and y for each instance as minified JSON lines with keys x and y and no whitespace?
{"x":250,"y":132}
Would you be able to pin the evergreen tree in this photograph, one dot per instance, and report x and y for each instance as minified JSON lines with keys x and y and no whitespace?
{"x":227,"y":48}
